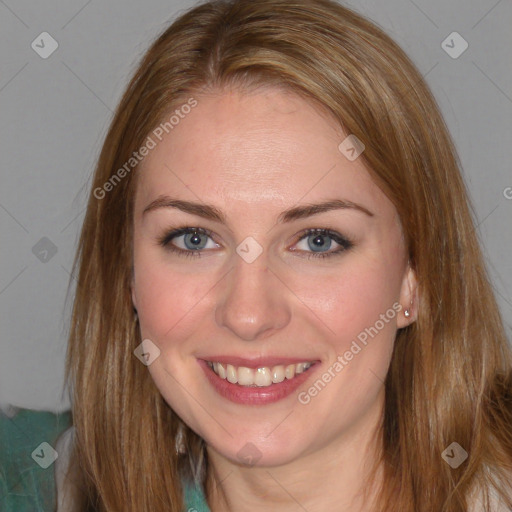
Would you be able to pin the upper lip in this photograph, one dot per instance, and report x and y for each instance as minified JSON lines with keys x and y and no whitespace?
{"x":257,"y":362}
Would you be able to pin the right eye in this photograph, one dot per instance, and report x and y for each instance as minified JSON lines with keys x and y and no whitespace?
{"x":193,"y":241}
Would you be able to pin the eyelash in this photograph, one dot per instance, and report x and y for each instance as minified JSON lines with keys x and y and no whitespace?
{"x":165,"y":240}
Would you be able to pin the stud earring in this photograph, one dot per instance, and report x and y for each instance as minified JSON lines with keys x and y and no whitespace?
{"x":407,"y":313}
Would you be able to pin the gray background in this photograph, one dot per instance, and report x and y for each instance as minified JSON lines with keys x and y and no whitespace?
{"x":55,"y":113}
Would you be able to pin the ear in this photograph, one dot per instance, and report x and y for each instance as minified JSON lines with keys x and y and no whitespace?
{"x":408,"y":298}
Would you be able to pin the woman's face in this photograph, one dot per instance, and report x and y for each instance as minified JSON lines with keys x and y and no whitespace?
{"x":256,"y":289}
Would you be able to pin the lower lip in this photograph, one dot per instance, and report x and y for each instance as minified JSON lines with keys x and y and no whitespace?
{"x":254,"y":395}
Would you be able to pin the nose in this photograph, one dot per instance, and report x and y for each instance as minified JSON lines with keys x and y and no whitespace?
{"x":253,"y":302}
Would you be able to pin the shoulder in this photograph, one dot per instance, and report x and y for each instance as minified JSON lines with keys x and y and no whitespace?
{"x":66,"y":488}
{"x":26,"y":436}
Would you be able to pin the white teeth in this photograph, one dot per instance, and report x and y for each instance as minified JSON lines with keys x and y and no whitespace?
{"x":278,"y":374}
{"x":263,"y":377}
{"x":231,"y":374}
{"x":245,"y":376}
{"x":301,"y":367}
{"x":220,"y":371}
{"x":260,"y":377}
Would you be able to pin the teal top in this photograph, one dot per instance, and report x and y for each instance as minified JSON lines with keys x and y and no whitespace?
{"x":27,"y":476}
{"x":195,"y":500}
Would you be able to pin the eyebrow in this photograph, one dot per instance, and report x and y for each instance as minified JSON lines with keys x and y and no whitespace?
{"x":211,"y":212}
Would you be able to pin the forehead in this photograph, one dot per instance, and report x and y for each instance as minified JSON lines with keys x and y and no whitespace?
{"x":265,"y":149}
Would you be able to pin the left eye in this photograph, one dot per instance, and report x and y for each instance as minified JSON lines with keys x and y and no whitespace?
{"x":318,"y":242}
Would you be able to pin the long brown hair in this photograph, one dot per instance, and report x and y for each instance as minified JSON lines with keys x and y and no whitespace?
{"x":450,"y":376}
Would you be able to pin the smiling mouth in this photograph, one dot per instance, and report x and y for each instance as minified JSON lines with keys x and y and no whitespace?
{"x":260,"y":377}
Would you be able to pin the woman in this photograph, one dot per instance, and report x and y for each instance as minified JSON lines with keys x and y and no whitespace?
{"x":281,"y":301}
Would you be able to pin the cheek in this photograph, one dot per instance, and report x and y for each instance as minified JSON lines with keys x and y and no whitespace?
{"x":355,"y":308}
{"x":352,"y":298}
{"x":165,"y":297}
{"x":356,"y":313}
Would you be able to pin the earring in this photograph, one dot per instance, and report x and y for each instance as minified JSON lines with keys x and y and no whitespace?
{"x":179,"y":444}
{"x":407,"y":313}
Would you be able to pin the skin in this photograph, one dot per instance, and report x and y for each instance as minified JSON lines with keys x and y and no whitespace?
{"x":253,"y":155}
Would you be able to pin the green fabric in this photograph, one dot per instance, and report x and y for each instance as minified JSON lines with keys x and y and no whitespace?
{"x":25,"y":486}
{"x":195,"y":500}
